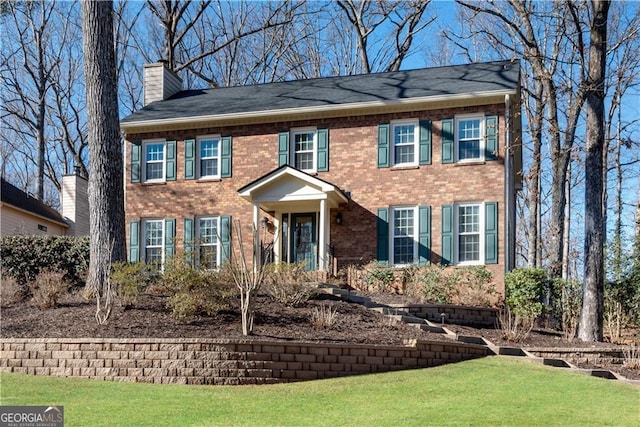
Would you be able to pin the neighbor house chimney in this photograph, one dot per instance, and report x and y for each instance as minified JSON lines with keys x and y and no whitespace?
{"x":75,"y":203}
{"x":159,"y":82}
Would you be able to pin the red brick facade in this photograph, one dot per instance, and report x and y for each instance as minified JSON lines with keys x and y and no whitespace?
{"x":352,"y":168}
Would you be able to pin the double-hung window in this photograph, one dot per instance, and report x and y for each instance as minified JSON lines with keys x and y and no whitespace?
{"x":154,"y":161}
{"x":404,"y":137}
{"x":153,"y":240}
{"x":208,"y":242}
{"x":469,"y":228}
{"x":470,"y":138}
{"x":304,"y":149}
{"x":209,"y":157}
{"x":403,"y":239}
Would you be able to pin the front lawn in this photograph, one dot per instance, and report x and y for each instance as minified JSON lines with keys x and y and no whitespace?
{"x":490,"y":391}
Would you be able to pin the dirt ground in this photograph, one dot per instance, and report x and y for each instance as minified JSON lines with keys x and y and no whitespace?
{"x":73,"y":317}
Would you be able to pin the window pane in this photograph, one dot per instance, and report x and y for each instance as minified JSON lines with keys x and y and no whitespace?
{"x":153,"y":256}
{"x":469,"y":219}
{"x":404,"y":143}
{"x":209,"y":167}
{"x":469,"y":139}
{"x":304,"y":150}
{"x":303,"y":141}
{"x":304,"y":161}
{"x":469,"y":233}
{"x":469,"y":246}
{"x":208,"y":148}
{"x":208,"y":243}
{"x":403,"y":236}
{"x":155,"y":170}
{"x":404,"y":134}
{"x":404,"y":154}
{"x":155,"y":152}
{"x":209,"y":257}
{"x":153,"y":236}
{"x":208,"y":228}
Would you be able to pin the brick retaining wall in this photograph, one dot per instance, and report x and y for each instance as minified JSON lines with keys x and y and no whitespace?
{"x":208,"y":361}
{"x":583,"y":355}
{"x":454,"y":314}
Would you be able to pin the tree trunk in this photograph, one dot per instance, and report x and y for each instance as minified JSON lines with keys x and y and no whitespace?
{"x":106,"y":193}
{"x":591,"y":319}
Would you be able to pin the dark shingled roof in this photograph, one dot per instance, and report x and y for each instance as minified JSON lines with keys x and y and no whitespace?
{"x":500,"y":76}
{"x":12,"y":195}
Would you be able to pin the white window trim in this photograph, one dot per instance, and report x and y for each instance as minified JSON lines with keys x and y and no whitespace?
{"x":199,"y":159}
{"x":483,"y":137}
{"x":199,"y":239}
{"x":164,"y":160}
{"x":416,"y":141}
{"x":292,"y":147}
{"x":145,"y":222}
{"x":481,"y":232}
{"x":416,"y":227}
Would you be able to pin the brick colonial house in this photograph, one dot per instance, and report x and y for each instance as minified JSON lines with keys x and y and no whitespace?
{"x":405,"y":167}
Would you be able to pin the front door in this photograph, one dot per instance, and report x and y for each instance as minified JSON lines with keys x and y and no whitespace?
{"x":303,"y":239}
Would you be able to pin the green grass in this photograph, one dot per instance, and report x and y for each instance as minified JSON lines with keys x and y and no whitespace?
{"x":490,"y":391}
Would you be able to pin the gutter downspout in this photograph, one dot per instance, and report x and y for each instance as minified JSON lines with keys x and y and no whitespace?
{"x":509,"y":197}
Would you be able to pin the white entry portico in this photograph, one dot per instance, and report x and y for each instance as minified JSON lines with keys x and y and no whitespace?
{"x":296,"y":199}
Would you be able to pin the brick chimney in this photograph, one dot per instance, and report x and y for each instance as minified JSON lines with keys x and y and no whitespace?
{"x":75,"y":203}
{"x":159,"y":82}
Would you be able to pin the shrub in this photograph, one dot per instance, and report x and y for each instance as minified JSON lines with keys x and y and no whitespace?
{"x":47,"y":288}
{"x":289,"y":284}
{"x":567,"y":304}
{"x":438,"y":284}
{"x":474,"y":287}
{"x":193,"y":291}
{"x":23,"y":257}
{"x":324,"y":316}
{"x":378,"y":276}
{"x":524,"y":289}
{"x":10,"y":291}
{"x":131,"y":280}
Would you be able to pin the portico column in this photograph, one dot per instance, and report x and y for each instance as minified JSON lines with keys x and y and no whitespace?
{"x":255,"y":236}
{"x":322,"y":250}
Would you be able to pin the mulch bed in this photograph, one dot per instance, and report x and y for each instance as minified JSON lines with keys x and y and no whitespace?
{"x":73,"y":317}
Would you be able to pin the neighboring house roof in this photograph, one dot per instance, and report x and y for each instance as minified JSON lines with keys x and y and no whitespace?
{"x":479,"y":79}
{"x":12,"y":195}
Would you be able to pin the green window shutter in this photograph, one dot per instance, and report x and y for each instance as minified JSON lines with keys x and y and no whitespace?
{"x":491,"y":142}
{"x":134,"y":241}
{"x":189,"y":158}
{"x":136,"y":150}
{"x":225,"y":238}
{"x":447,"y":140}
{"x":424,"y":235}
{"x":283,"y":148}
{"x":425,"y":142}
{"x":447,"y":235}
{"x":491,"y":233}
{"x":225,"y":159}
{"x":188,"y":240}
{"x":323,"y":150}
{"x":383,"y":146}
{"x":169,"y":238}
{"x":170,"y":162}
{"x":383,"y":235}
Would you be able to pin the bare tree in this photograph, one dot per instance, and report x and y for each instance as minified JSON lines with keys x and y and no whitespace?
{"x":405,"y":18}
{"x":42,"y":94}
{"x":106,"y":193}
{"x":591,"y":317}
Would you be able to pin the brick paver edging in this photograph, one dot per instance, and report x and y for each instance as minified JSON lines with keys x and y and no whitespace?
{"x":211,"y":361}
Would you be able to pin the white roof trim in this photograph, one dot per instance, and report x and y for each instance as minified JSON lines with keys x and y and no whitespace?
{"x":323,"y":186}
{"x":131,"y":126}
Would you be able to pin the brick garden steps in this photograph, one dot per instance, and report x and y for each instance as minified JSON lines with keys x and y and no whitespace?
{"x":535,"y":355}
